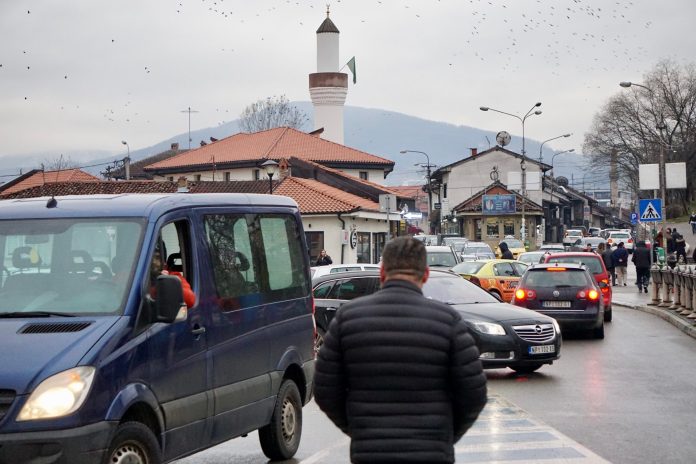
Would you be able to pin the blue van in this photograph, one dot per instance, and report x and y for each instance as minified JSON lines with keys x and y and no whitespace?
{"x":144,"y":328}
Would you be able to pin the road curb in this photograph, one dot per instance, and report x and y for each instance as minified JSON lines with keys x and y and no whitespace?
{"x":685,"y":325}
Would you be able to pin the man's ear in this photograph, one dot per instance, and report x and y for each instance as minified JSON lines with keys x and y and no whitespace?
{"x":426,"y":274}
{"x":382,"y":274}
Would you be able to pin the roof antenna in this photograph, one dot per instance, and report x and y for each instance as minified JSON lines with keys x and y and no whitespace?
{"x":52,"y":202}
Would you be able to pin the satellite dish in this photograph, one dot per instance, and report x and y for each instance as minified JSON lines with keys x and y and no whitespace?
{"x":502,"y":138}
{"x":562,"y":181}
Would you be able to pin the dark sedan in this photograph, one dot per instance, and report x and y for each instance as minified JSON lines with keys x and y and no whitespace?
{"x":506,"y":335}
{"x":565,"y":291}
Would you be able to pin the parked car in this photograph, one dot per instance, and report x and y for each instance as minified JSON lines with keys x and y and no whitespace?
{"x":567,"y":292}
{"x":442,"y":257}
{"x":514,"y":245}
{"x":571,"y":236}
{"x":582,"y":243}
{"x":102,"y":359}
{"x":614,"y":238}
{"x":532,"y":257}
{"x":317,"y":271}
{"x":595,"y":264}
{"x":506,"y":335}
{"x":475,"y":251}
{"x":498,"y":276}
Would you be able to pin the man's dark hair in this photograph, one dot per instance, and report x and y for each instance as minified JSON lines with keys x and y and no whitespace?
{"x":404,"y":255}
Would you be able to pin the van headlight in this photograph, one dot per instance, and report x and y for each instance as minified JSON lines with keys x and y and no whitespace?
{"x":58,"y":395}
{"x":488,"y":328}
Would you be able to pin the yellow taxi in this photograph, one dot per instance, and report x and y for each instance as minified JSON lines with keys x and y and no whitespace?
{"x":498,"y":277}
{"x":514,"y":245}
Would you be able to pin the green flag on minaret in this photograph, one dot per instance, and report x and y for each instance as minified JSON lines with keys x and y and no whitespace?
{"x":351,"y":66}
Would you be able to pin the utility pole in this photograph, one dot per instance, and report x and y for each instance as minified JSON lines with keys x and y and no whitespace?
{"x":189,"y":111}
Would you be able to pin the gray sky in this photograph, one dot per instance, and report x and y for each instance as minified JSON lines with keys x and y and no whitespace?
{"x":86,"y":74}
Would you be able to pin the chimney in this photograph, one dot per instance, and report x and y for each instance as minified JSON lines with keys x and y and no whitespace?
{"x":175,"y":146}
{"x":284,"y":169}
{"x":474,"y":151}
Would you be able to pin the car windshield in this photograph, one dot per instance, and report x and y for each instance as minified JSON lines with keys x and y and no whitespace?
{"x":441,"y":258}
{"x":593,"y":263}
{"x":452,"y":289}
{"x":67,"y":266}
{"x":468,"y":267}
{"x":513,"y":243}
{"x":543,"y":278}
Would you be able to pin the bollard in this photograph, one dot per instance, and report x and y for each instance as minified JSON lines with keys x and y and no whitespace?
{"x":692,"y":314}
{"x":676,"y":289}
{"x":682,"y":288}
{"x":656,"y":278}
{"x":667,"y":280}
{"x":688,"y":291}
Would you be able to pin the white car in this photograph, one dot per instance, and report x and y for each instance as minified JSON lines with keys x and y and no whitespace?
{"x":317,"y":271}
{"x":442,"y":257}
{"x":571,"y":236}
{"x":614,"y":238}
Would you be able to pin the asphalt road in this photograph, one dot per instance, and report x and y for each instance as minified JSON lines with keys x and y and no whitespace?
{"x":628,"y":398}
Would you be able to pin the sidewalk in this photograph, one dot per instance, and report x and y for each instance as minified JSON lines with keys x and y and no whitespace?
{"x":630,"y":298}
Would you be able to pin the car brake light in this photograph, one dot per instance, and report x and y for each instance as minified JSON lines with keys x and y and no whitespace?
{"x":556,"y":269}
{"x":593,"y":295}
{"x":475,"y":280}
{"x":521,"y":294}
{"x":630,"y":240}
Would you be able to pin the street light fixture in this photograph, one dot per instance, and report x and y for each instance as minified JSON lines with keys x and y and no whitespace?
{"x":126,"y":162}
{"x":430,"y":193}
{"x":559,"y":153}
{"x":663,"y":181}
{"x":270,"y":167}
{"x":523,"y":166}
{"x":548,"y":140}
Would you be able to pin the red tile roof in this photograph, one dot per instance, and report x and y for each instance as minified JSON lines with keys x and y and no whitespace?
{"x":312,"y":196}
{"x":278,"y":143}
{"x":37,"y":177}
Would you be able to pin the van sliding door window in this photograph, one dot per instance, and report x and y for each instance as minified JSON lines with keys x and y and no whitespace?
{"x":282,"y":245}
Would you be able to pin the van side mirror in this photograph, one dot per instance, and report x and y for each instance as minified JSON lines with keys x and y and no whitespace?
{"x":170,"y":298}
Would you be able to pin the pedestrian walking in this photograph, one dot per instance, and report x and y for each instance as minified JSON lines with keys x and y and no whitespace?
{"x":324,"y":259}
{"x":505,"y":252}
{"x":399,"y":373}
{"x":669,"y":236}
{"x":679,"y":245}
{"x":692,"y":221}
{"x":620,"y":258}
{"x":607,"y":257}
{"x":641,"y":259}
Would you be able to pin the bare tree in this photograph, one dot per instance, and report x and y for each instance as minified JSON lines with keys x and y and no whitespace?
{"x":270,"y":113}
{"x":59,"y":164}
{"x":637,"y":123}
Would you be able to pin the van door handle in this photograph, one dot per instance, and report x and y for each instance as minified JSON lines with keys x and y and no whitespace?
{"x":198,"y":330}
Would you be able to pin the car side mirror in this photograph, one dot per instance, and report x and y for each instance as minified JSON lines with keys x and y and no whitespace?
{"x":169,"y":299}
{"x":603,"y":285}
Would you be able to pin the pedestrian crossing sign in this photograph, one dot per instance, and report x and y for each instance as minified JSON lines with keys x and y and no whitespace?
{"x":650,"y":210}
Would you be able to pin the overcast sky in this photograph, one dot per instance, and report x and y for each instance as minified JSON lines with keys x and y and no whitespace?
{"x":86,"y":74}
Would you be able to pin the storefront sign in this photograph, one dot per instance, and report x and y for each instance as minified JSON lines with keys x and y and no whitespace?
{"x":498,"y":204}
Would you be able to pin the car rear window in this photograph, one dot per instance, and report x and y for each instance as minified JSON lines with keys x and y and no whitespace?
{"x":592,"y":262}
{"x":536,"y":278}
{"x":613,"y":235}
{"x":437,"y":258}
{"x":468,"y":267}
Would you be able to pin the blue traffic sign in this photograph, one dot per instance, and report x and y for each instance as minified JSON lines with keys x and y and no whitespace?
{"x":634,"y":218}
{"x":650,"y":210}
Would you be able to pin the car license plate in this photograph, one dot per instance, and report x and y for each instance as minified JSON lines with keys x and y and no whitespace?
{"x":556,"y":304}
{"x":542,"y":349}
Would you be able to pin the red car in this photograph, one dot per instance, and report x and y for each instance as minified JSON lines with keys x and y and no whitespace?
{"x":595,"y":265}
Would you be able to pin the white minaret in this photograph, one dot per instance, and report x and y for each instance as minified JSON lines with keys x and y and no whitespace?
{"x":328,"y":87}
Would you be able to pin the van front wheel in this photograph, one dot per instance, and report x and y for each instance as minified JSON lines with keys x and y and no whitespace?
{"x":281,"y":438}
{"x":133,"y":443}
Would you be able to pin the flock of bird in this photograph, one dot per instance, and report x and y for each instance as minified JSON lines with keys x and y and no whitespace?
{"x":562,"y":36}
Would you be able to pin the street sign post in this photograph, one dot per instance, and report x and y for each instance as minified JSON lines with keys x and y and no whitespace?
{"x":650,"y":210}
{"x":634,"y":218}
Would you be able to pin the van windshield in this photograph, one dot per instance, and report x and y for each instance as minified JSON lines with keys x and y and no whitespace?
{"x":68,"y":266}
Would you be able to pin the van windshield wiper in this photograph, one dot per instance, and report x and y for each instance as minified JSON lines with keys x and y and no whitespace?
{"x":20,"y":314}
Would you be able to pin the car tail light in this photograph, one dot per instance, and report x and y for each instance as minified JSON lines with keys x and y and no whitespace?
{"x":593,"y":295}
{"x":522,"y":294}
{"x":554,"y":269}
{"x":605,"y":289}
{"x":475,"y":280}
{"x":630,"y":240}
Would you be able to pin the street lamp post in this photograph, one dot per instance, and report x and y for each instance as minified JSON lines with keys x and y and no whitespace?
{"x":548,"y":140}
{"x":270,"y":166}
{"x":559,"y":153}
{"x":523,"y":165}
{"x":126,"y":162}
{"x":430,"y":192}
{"x":663,"y":180}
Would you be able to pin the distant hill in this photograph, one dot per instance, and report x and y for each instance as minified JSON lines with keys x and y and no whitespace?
{"x":379,"y":132}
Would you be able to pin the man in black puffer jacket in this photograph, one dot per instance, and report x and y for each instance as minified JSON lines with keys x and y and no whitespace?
{"x":399,"y":373}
